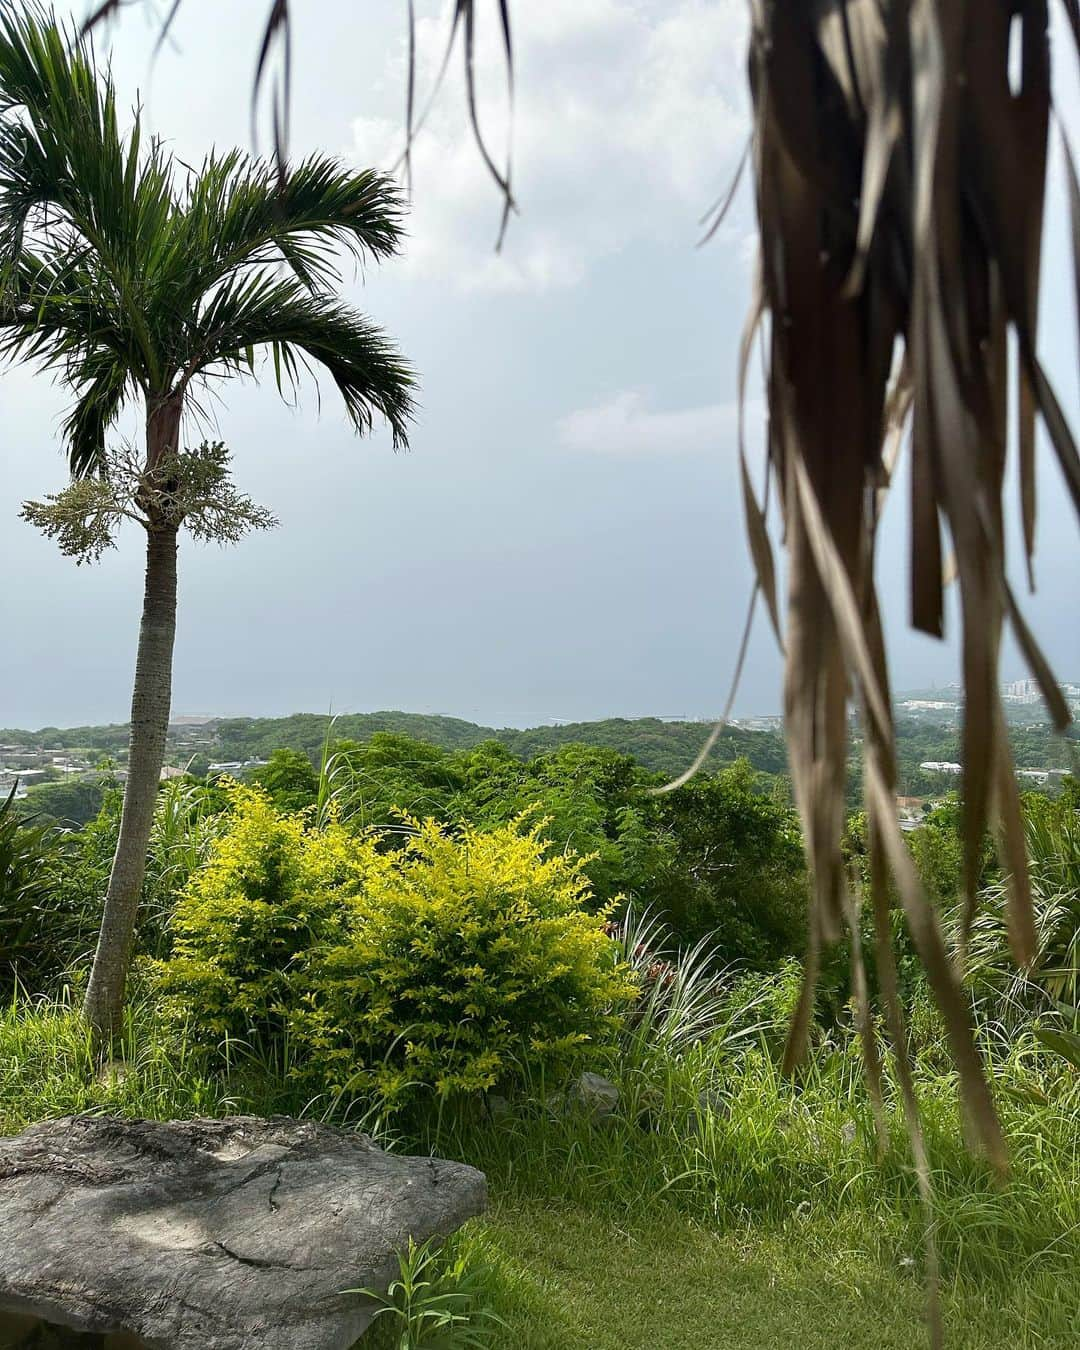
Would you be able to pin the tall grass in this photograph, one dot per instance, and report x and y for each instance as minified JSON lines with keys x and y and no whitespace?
{"x":705,"y":1128}
{"x":47,"y":1068}
{"x":719,"y":1134}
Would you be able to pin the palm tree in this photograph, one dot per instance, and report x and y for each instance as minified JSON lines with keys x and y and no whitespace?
{"x":136,"y":281}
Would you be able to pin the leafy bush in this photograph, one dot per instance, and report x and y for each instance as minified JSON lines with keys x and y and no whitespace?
{"x":72,"y":802}
{"x":372,"y":783}
{"x":247,"y":926}
{"x":593,"y":801}
{"x":448,"y":964}
{"x":471,"y":955}
{"x":733,"y":870}
{"x":289,"y":780}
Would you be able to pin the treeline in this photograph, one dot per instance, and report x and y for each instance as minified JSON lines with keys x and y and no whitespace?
{"x":109,"y":739}
{"x":661,"y":747}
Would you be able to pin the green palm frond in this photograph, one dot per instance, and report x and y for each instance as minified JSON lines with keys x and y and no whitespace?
{"x":66,"y":166}
{"x":103,"y":388}
{"x":58,"y":314}
{"x":248,"y":213}
{"x":302,"y":329}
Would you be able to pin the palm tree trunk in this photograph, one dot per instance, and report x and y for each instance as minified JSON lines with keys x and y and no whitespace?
{"x":150,"y":705}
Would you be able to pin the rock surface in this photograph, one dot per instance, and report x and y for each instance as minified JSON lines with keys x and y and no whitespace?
{"x":216,"y":1234}
{"x":593,"y":1095}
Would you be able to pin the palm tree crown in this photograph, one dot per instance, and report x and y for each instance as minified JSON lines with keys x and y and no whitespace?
{"x":126,"y":274}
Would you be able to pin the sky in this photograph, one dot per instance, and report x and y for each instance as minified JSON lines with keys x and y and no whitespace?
{"x":564,"y":538}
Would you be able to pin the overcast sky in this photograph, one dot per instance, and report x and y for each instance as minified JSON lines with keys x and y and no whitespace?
{"x":564,"y":538}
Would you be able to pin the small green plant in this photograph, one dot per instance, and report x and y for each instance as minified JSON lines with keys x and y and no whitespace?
{"x":681,"y":994}
{"x":437,"y":1301}
{"x":1052,"y":982}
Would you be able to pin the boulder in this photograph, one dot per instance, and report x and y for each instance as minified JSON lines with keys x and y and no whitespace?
{"x":215,"y":1234}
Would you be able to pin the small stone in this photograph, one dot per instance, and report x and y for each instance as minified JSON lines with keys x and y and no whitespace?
{"x":498,"y":1108}
{"x":713,"y":1103}
{"x":593,"y":1095}
{"x":113,"y":1073}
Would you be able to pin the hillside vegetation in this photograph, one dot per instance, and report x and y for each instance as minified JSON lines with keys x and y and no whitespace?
{"x":661,"y":746}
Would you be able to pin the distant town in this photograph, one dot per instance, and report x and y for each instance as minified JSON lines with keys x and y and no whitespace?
{"x":1023,"y":701}
{"x":25,"y":765}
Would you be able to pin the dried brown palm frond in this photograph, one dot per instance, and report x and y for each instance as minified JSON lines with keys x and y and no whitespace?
{"x":275,"y":44}
{"x":900,"y":185}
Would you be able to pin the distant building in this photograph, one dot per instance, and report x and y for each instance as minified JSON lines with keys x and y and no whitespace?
{"x":233,"y":767}
{"x":24,"y":776}
{"x":1035,"y":775}
{"x":939,"y":766}
{"x":66,"y":765}
{"x":1022,"y":691}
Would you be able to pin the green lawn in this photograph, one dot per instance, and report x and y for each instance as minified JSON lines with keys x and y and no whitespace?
{"x":571,"y":1278}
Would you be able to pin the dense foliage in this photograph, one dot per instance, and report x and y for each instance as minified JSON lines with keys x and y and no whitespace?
{"x":719,"y":857}
{"x":27,"y":854}
{"x":70,"y":801}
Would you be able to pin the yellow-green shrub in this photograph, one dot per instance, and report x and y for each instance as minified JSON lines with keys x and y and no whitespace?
{"x":471,"y":958}
{"x":245,"y":927}
{"x":453,"y":964}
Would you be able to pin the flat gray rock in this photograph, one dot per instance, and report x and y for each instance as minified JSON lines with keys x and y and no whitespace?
{"x":211,"y":1234}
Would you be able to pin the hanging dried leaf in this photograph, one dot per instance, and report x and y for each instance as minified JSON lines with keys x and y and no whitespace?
{"x":900,"y":185}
